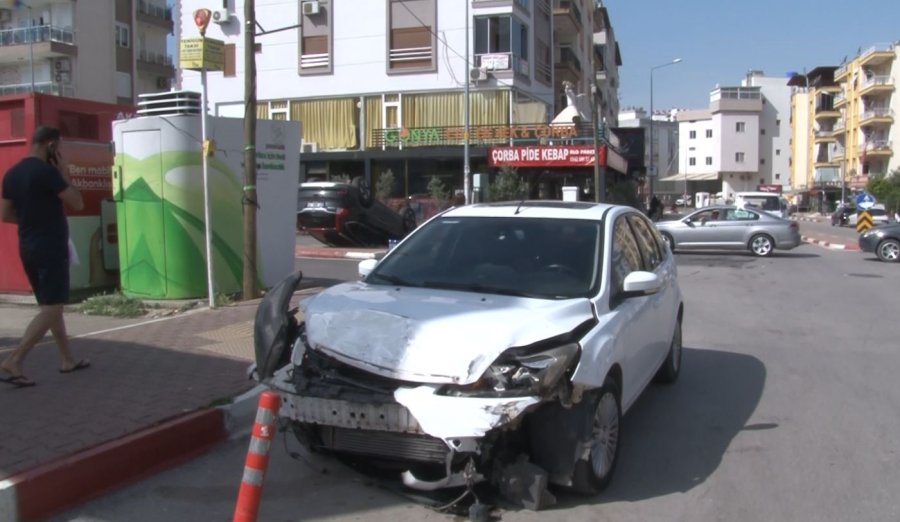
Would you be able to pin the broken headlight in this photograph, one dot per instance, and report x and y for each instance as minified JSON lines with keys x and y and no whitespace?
{"x":517,"y":374}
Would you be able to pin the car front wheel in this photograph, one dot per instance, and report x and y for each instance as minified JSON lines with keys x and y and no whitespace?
{"x":592,"y":475}
{"x":761,"y":245}
{"x":888,"y":251}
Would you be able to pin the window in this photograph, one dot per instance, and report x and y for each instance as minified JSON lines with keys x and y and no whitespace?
{"x":739,"y":157}
{"x":692,"y":161}
{"x":778,"y":123}
{"x":123,"y":35}
{"x":502,"y":34}
{"x":278,"y":110}
{"x":709,"y":133}
{"x":392,"y":116}
{"x":740,"y":214}
{"x":626,"y":256}
{"x":411,"y":35}
{"x":709,"y":160}
{"x":647,"y":242}
{"x":762,"y":132}
{"x":740,"y":126}
{"x":692,"y":135}
{"x":778,"y":152}
{"x":762,"y":161}
{"x":777,"y":176}
{"x":315,"y":41}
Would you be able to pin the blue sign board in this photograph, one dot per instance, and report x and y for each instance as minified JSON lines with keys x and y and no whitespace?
{"x":865,"y":201}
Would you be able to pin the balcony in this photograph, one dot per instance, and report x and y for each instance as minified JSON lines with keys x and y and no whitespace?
{"x":566,"y":20}
{"x":877,"y":55}
{"x":840,"y":99}
{"x":825,"y":111}
{"x":567,"y":60}
{"x":44,"y":41}
{"x":841,"y":71}
{"x":41,"y":87}
{"x":155,"y":14}
{"x":159,"y":64}
{"x":877,"y":116}
{"x":839,"y":127}
{"x":498,"y":62}
{"x":822,"y":136}
{"x":878,"y":148}
{"x":876,"y":85}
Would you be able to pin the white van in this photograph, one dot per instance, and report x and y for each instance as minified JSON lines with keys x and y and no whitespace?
{"x":768,"y":202}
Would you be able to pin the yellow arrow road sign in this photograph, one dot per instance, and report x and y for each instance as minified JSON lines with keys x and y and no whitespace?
{"x":864,"y":221}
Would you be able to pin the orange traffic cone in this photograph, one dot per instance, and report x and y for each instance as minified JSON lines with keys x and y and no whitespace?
{"x":250,"y":493}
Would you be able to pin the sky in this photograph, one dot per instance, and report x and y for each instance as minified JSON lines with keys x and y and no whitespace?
{"x":720,"y":40}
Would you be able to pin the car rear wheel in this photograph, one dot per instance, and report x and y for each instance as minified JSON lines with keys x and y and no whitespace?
{"x":409,"y":220}
{"x":671,"y":368}
{"x":365,"y":191}
{"x":888,"y":251}
{"x":762,"y":245}
{"x":592,"y":475}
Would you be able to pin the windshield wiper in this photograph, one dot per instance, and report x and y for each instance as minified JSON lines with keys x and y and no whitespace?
{"x":480,"y":288}
{"x":394,"y":280}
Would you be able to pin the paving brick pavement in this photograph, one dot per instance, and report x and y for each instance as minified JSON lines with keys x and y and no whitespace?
{"x":140,"y":376}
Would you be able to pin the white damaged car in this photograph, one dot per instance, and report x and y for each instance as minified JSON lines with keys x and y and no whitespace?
{"x":498,"y":342}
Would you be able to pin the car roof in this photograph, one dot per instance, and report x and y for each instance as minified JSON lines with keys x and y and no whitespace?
{"x":552,"y":209}
{"x":758,"y":194}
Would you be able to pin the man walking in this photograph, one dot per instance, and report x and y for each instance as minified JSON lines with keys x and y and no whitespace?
{"x":34,"y":191}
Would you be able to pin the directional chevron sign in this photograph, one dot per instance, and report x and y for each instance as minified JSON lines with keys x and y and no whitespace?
{"x":864,"y":221}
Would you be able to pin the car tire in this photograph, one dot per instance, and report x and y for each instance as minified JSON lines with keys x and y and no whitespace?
{"x":762,"y":245}
{"x":667,"y":237}
{"x":888,"y":251}
{"x":671,"y":367}
{"x":409,"y":220}
{"x":593,"y":475}
{"x":364,"y":190}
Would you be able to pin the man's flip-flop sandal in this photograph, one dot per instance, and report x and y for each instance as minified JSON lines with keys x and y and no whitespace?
{"x":19,"y":381}
{"x":80,"y":365}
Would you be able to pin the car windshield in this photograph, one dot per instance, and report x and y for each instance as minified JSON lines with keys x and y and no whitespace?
{"x":526,"y":257}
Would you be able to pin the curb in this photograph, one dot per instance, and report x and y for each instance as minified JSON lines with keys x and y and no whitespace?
{"x":337,"y":253}
{"x":52,"y":488}
{"x":830,"y":245}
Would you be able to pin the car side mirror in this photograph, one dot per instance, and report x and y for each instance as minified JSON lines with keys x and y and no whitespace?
{"x":641,"y":283}
{"x":366,"y":266}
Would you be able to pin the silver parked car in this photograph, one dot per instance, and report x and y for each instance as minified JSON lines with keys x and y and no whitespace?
{"x":731,"y":228}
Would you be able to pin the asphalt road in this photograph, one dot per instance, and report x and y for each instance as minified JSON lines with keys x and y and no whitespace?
{"x":786,"y":410}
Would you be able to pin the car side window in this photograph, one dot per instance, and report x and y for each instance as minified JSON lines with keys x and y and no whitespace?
{"x":647,"y":242}
{"x":740,"y":214}
{"x":626,"y":255}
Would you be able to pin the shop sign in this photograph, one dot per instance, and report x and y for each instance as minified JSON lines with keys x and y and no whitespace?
{"x":775,"y":189}
{"x":477,"y":135}
{"x":544,"y":156}
{"x":202,"y":53}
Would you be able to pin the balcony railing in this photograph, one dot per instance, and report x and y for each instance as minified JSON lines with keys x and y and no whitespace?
{"x":875,"y":49}
{"x":37,"y":34}
{"x":877,"y":81}
{"x":874,"y":145}
{"x":567,"y":56}
{"x":41,"y":87}
{"x":312,"y":61}
{"x":569,"y":5}
{"x":839,"y":126}
{"x":410,"y":54}
{"x":842,"y":70}
{"x":824,"y":133}
{"x":880,"y":112}
{"x":154,"y":58}
{"x":158,"y":11}
{"x":839,"y":98}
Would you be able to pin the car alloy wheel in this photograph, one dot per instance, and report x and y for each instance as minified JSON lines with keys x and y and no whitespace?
{"x":761,"y":245}
{"x":889,"y":250}
{"x":605,"y":443}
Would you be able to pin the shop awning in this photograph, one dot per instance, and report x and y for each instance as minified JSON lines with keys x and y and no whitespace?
{"x":692,"y":176}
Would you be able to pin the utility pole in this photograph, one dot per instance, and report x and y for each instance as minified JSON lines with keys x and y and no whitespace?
{"x":599,"y":178}
{"x":249,"y":189}
{"x":467,"y":169}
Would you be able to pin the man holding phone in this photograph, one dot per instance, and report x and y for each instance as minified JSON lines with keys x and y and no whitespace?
{"x":34,"y":191}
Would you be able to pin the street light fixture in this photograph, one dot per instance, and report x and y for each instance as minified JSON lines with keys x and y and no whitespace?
{"x":652,"y":158}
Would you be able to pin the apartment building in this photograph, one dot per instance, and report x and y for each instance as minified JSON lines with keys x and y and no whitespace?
{"x":378,"y":86}
{"x":719,"y":147}
{"x":774,"y":128}
{"x":665,"y":140}
{"x":102,"y":50}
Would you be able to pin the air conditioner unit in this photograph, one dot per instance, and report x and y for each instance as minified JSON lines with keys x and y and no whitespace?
{"x":63,"y":65}
{"x":309,"y":146}
{"x":310,"y":8}
{"x":162,"y":82}
{"x":477,"y":74}
{"x":221,"y":16}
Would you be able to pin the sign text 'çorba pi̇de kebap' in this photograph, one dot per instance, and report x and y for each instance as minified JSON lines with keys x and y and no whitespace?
{"x":545,"y":156}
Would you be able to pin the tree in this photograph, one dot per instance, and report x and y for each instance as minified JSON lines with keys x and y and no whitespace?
{"x":438,"y":190}
{"x":508,"y":186}
{"x":384,"y":187}
{"x":886,"y":189}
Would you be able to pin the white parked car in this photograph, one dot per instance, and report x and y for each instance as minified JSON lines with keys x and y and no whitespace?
{"x":491,"y":332}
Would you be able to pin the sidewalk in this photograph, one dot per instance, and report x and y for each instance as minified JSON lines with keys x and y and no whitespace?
{"x":306,"y":246}
{"x":149,"y":398}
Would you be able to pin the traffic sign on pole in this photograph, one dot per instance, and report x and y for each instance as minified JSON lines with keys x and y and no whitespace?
{"x":865,"y":201}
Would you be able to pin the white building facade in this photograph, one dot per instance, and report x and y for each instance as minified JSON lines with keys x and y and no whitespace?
{"x":775,"y":128}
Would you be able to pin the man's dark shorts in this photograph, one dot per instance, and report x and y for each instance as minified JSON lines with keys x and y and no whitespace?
{"x":48,"y":274}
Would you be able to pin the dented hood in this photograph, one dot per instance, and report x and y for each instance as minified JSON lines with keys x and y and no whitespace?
{"x":431,"y":336}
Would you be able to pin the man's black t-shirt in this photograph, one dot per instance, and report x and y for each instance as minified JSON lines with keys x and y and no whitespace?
{"x":33,"y":186}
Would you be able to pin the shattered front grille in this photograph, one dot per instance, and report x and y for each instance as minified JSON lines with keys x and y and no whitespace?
{"x":328,"y":371}
{"x":417,"y":448}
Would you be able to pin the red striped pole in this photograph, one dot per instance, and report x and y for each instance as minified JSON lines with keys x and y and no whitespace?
{"x":250,"y":493}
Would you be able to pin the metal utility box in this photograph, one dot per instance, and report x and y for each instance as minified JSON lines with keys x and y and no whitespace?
{"x":158,"y":189}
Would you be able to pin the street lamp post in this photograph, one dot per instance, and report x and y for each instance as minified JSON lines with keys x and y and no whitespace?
{"x":652,"y":158}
